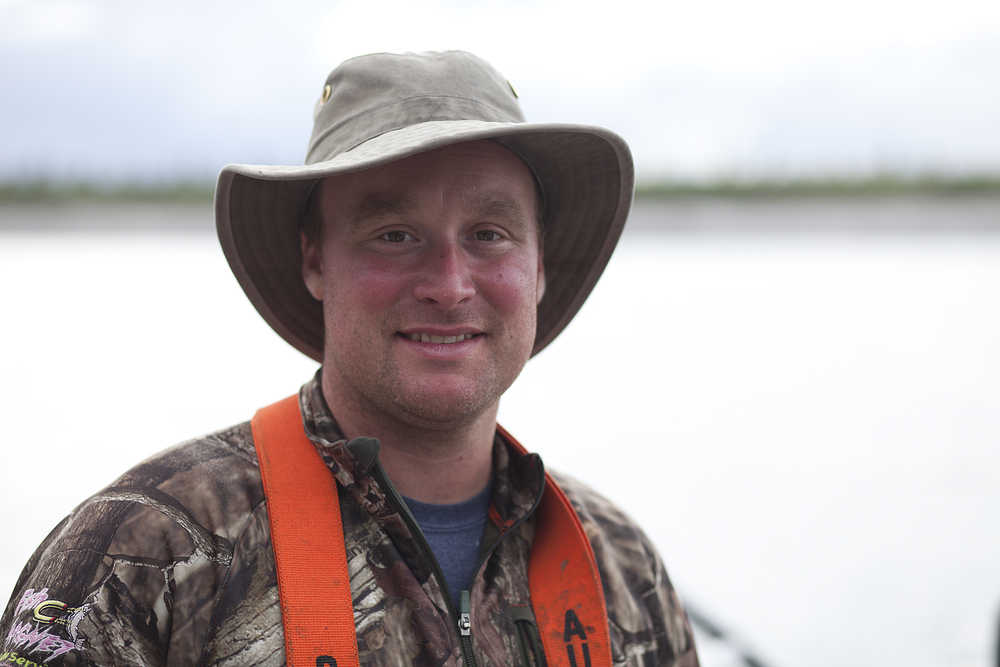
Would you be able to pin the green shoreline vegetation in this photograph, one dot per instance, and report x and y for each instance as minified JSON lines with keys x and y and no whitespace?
{"x":200,"y":192}
{"x":849,"y":186}
{"x":51,"y":192}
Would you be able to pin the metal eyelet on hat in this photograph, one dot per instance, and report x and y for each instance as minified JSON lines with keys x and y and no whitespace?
{"x":327,"y":89}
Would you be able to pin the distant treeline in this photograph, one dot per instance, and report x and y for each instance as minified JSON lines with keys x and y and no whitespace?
{"x":49,"y":192}
{"x":199,"y":192}
{"x":848,"y":186}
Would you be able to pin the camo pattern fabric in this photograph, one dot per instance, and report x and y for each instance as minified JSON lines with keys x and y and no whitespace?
{"x":172,"y":565}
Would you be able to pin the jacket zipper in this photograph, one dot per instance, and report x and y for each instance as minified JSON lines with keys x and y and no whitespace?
{"x":462,"y":620}
{"x":464,"y":634}
{"x":465,"y":628}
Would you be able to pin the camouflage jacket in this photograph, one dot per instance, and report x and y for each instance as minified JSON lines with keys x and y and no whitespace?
{"x":172,"y":565}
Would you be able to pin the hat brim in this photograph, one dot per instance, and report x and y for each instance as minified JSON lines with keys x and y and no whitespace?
{"x":586,"y":177}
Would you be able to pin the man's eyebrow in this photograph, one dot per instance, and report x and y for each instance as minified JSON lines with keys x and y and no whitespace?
{"x":378,"y":205}
{"x":493,"y":204}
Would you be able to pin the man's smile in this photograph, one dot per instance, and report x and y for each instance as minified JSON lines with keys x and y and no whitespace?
{"x":439,"y":335}
{"x":441,"y":342}
{"x":430,"y":338}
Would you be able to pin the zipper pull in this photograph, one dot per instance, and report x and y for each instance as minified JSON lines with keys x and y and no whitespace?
{"x":464,"y":617}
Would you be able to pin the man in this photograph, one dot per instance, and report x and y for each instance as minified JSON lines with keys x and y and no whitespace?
{"x":431,"y":244}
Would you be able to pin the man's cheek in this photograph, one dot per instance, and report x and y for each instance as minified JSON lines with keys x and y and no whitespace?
{"x":515,"y":284}
{"x":377,"y":284}
{"x":365,"y":290}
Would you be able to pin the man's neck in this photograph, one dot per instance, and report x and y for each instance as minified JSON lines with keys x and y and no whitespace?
{"x":432,"y":469}
{"x":432,"y":463}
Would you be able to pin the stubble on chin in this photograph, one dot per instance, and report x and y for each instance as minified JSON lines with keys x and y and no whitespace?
{"x":384,"y":388}
{"x":420,"y":400}
{"x":427,"y":405}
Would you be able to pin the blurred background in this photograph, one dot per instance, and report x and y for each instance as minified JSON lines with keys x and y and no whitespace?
{"x":788,"y":374}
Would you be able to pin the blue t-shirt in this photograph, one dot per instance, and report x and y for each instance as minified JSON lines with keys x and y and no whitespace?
{"x":454,"y":533}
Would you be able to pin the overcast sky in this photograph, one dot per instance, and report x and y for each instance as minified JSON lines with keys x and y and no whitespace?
{"x":131,"y":90}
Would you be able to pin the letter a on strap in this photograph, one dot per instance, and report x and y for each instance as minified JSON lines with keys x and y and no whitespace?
{"x":307,"y":535}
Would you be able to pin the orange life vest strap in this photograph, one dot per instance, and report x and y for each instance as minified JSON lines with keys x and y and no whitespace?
{"x":308,"y":539}
{"x":307,"y":536}
{"x":566,"y":591}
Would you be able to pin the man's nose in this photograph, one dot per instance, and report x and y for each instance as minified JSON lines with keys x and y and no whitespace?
{"x":445,"y":277}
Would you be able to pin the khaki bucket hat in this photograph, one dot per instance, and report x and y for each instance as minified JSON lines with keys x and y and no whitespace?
{"x":383,"y":107}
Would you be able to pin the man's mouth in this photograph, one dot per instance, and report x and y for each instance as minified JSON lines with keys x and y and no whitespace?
{"x":421,"y":337}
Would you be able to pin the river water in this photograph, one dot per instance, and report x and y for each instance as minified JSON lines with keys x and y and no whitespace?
{"x":797,"y":400}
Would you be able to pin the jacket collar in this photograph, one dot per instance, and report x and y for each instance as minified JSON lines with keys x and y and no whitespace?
{"x":518,"y":479}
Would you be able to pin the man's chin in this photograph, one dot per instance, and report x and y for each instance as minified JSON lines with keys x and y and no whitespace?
{"x":447,"y":403}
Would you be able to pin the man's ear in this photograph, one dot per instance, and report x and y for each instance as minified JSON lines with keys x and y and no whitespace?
{"x":312,"y":266}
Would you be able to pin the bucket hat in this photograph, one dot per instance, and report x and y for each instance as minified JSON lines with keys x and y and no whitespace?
{"x":379,"y":108}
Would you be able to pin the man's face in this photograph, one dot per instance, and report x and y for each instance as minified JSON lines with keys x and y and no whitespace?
{"x":430,"y":272}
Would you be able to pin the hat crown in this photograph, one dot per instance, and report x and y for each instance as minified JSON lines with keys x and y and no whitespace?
{"x":378,"y":93}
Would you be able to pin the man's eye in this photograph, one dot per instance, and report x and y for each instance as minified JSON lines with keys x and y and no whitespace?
{"x":395,"y":236}
{"x":488,"y":235}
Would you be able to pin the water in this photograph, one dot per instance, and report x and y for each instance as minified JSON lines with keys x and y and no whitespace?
{"x":805,"y":422}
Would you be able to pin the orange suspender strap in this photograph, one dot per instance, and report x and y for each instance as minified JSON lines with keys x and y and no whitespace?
{"x":307,"y":536}
{"x":566,"y":592}
{"x":311,"y":561}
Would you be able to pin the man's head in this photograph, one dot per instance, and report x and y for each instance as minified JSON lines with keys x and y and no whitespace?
{"x":381,"y":110}
{"x":430,"y":271}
